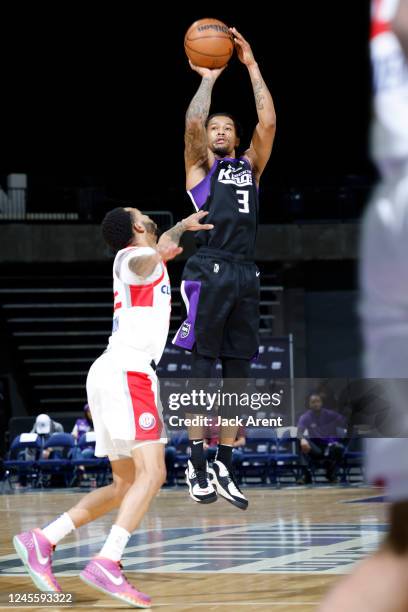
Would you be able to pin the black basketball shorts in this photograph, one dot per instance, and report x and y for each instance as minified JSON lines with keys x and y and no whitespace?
{"x":221,"y":295}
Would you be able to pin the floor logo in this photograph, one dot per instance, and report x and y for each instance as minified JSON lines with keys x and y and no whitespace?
{"x":283,"y":548}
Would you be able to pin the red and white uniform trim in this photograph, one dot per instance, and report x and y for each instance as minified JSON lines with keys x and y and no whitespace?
{"x":122,"y":387}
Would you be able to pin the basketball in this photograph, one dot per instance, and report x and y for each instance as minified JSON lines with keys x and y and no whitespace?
{"x":209,"y":43}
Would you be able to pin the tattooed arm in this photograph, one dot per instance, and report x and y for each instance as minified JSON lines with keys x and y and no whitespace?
{"x":168,"y":245}
{"x":264,"y":133}
{"x":144,"y":265}
{"x":197,"y":157}
{"x":195,"y":137}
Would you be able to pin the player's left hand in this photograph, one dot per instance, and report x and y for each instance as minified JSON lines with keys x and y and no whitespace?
{"x":192,"y":223}
{"x":243,"y":48}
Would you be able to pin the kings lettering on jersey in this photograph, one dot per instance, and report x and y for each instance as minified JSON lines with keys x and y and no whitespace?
{"x":230,"y":195}
{"x":239,"y":176}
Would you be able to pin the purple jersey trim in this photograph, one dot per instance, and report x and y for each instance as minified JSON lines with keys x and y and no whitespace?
{"x":200,"y":192}
{"x":185,"y":337}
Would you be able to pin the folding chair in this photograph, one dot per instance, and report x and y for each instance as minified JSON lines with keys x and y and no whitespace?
{"x":285,"y":456}
{"x":57,"y":465}
{"x":255,"y":458}
{"x":353,"y":458}
{"x":98,"y":466}
{"x":23,"y":467}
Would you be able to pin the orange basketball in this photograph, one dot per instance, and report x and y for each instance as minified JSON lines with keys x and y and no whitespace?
{"x":209,"y":43}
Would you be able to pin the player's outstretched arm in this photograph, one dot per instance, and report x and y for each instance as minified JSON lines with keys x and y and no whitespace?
{"x":144,"y":265}
{"x":196,"y":155}
{"x":189,"y":224}
{"x":264,"y":133}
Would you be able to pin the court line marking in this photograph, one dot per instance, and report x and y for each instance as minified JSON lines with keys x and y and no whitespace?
{"x":225,"y":529}
{"x":95,"y":540}
{"x":362,"y":499}
{"x":306,"y":555}
{"x":141,"y":547}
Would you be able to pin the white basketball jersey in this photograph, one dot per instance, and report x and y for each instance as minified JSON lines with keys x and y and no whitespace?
{"x":389,"y":133}
{"x":142,"y":307}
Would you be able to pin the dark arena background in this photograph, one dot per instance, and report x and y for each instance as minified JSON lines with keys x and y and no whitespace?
{"x":92,"y":116}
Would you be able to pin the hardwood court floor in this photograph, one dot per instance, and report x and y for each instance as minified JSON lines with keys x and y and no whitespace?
{"x":282,"y":554}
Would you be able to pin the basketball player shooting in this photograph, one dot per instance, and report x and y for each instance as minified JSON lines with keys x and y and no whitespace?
{"x":123,"y":397}
{"x":220,"y":283}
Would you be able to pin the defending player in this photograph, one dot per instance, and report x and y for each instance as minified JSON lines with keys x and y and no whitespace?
{"x":123,"y":398}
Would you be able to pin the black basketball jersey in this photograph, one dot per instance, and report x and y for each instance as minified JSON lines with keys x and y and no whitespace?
{"x":230,"y":195}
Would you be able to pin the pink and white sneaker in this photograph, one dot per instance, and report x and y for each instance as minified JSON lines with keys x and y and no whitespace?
{"x":35,"y":551}
{"x":107,"y":576}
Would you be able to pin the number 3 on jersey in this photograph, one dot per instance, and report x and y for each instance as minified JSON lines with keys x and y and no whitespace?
{"x":244,"y":200}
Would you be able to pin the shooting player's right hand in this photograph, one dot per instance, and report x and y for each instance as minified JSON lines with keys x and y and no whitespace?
{"x":207,"y":73}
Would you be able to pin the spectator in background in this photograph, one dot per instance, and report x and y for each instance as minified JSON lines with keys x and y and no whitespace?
{"x":83,"y":424}
{"x":321,"y":443}
{"x":44,"y":425}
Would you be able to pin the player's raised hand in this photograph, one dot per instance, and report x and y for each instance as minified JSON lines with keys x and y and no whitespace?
{"x":167,"y":246}
{"x":208,"y":73}
{"x":243,"y":48}
{"x":192,"y":223}
{"x":168,"y":250}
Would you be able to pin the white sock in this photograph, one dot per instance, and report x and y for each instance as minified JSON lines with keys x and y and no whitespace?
{"x":115,"y":543}
{"x":59,"y":528}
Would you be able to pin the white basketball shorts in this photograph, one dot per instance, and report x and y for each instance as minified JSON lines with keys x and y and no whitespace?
{"x":125,"y":405}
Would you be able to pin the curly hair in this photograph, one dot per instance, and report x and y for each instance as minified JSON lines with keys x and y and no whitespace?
{"x":117,"y":228}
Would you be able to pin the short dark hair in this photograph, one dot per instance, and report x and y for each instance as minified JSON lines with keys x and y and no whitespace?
{"x":117,"y":228}
{"x":237,"y":125}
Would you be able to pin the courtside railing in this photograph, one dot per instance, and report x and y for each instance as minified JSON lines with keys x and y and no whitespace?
{"x":13,"y":208}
